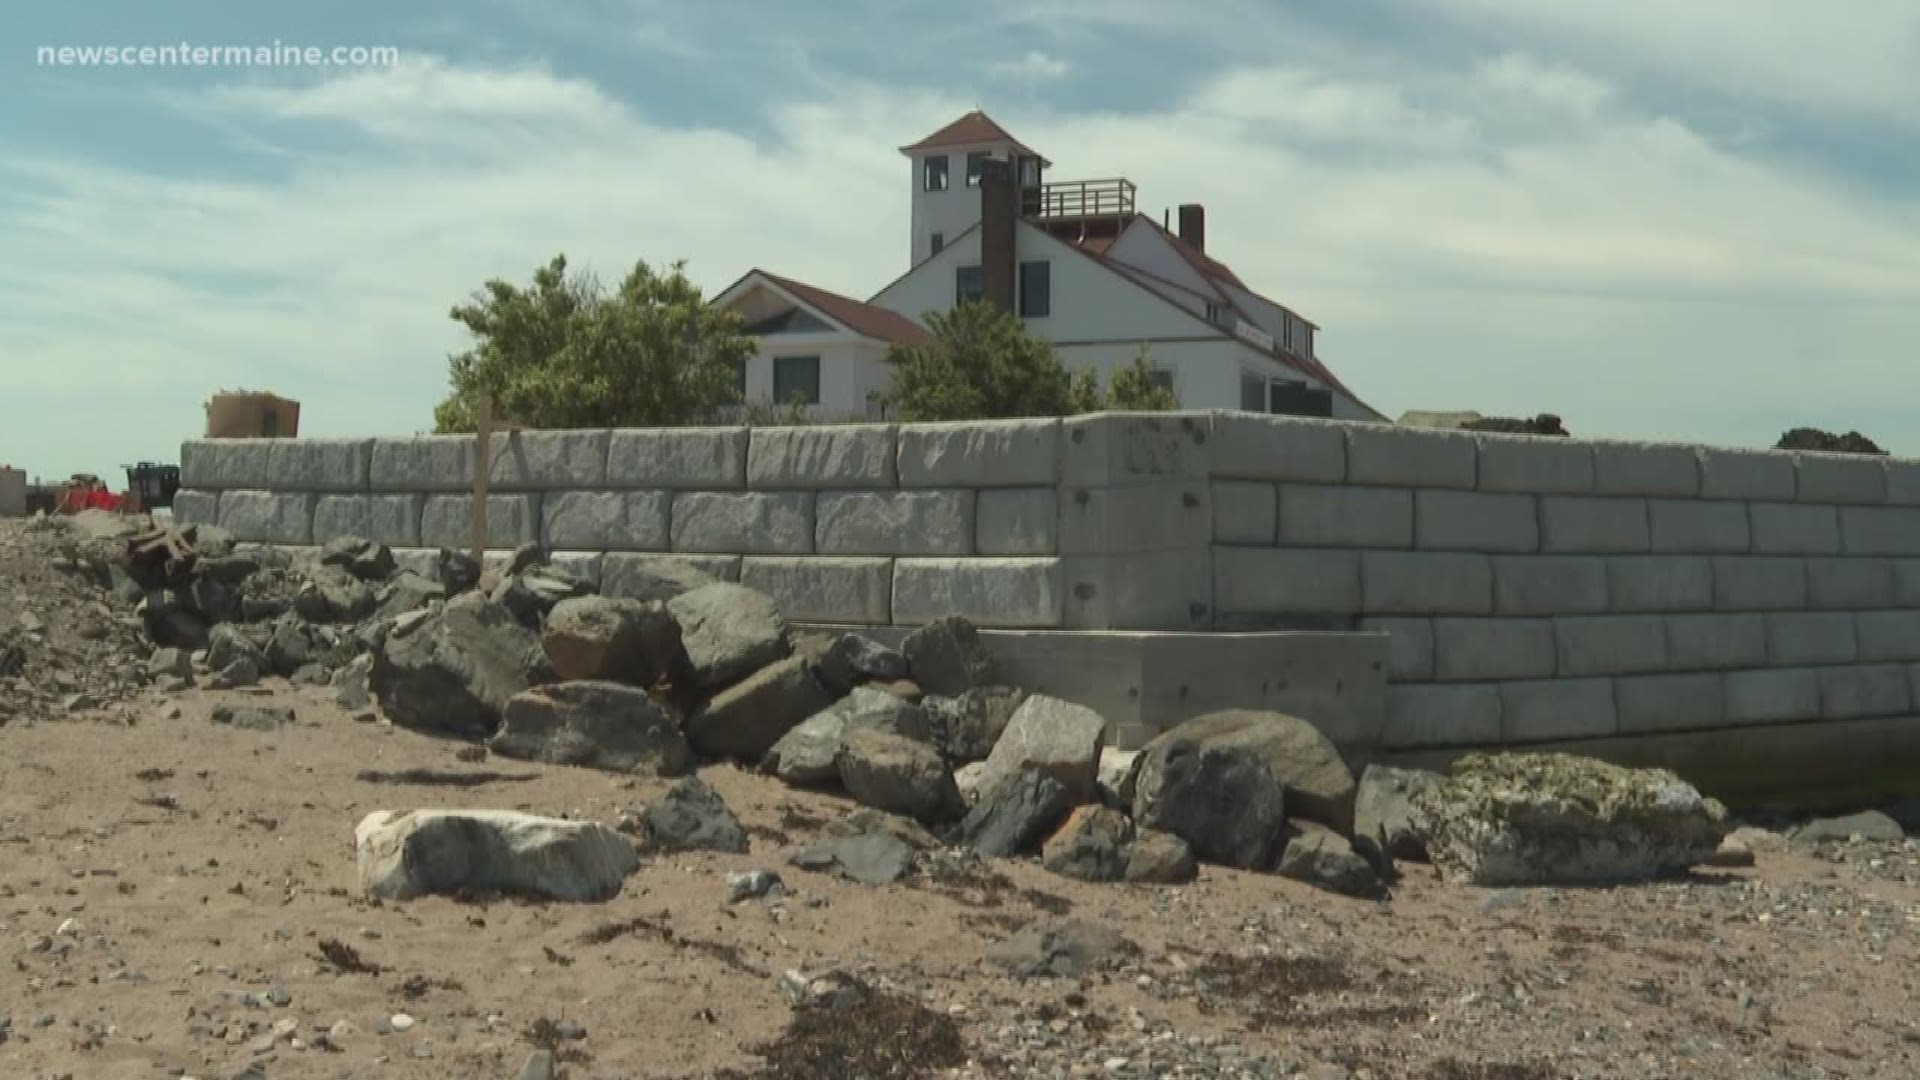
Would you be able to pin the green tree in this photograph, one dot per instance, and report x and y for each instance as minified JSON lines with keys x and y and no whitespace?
{"x":1132,"y":388}
{"x":564,"y":353}
{"x":980,"y":363}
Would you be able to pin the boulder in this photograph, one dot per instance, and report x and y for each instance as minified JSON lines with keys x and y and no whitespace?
{"x":730,"y":632}
{"x":227,"y":569}
{"x":1321,"y":857}
{"x":458,"y":571}
{"x":1219,"y":794}
{"x":947,"y":657}
{"x":332,"y":595}
{"x":896,"y":774}
{"x":1319,"y":787}
{"x":1159,"y":858}
{"x":532,"y":593}
{"x":1556,"y":819}
{"x":1060,"y":948}
{"x":1871,"y":825}
{"x":453,"y":671}
{"x":208,"y":541}
{"x":295,"y":644}
{"x":967,"y":778}
{"x":350,"y":684}
{"x":853,"y":659}
{"x":1383,"y":809}
{"x":253,"y":717}
{"x":1116,"y":777}
{"x":213,"y":600}
{"x":227,"y":644}
{"x":973,"y":722}
{"x":657,"y":579}
{"x":1057,"y":737}
{"x":451,"y":852}
{"x":904,"y":689}
{"x":869,"y":858}
{"x":863,"y":820}
{"x":596,"y":724}
{"x":240,"y":672}
{"x":175,"y":663}
{"x":408,"y":591}
{"x":1016,"y":816}
{"x":363,"y":558}
{"x":1092,"y":845}
{"x":630,"y":641}
{"x":692,"y":817}
{"x":745,"y":720}
{"x":808,"y":754}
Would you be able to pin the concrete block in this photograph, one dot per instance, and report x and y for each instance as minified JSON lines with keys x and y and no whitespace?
{"x":678,"y":459}
{"x":826,"y":590}
{"x":1545,"y":709}
{"x":1535,"y":464}
{"x":1848,"y":584}
{"x":267,"y":517}
{"x":606,"y":520}
{"x":226,"y":464}
{"x":1610,"y":645}
{"x":422,"y":463}
{"x":447,"y":521}
{"x":1798,"y":638}
{"x":1752,"y":583}
{"x":394,"y":520}
{"x":1772,"y":696}
{"x":1643,"y":468}
{"x":1670,"y":702}
{"x":1110,"y":449}
{"x":1135,"y":518}
{"x":1887,"y":635}
{"x":1659,"y":583}
{"x":1017,"y":521}
{"x":745,"y":523}
{"x":1154,"y":591}
{"x":1549,"y":585}
{"x":1746,"y":474}
{"x":894,"y":522}
{"x":1411,"y":457}
{"x":335,"y":516}
{"x":1906,"y":583}
{"x":1880,"y":530}
{"x":1847,"y":479}
{"x":1467,"y":714}
{"x":1903,"y":482}
{"x":1863,"y":690}
{"x":200,"y":508}
{"x":1786,"y":529}
{"x":1476,"y":521}
{"x":991,"y":592}
{"x":1409,"y":647}
{"x":1488,"y":650}
{"x":1590,"y":525}
{"x":830,"y":456}
{"x":1425,"y":583}
{"x":1285,"y":581}
{"x":1249,"y":446}
{"x":1698,"y":526}
{"x":619,"y":568}
{"x":583,"y":565}
{"x":1716,"y":642}
{"x":1245,"y":512}
{"x":980,"y":454}
{"x":319,"y":464}
{"x":549,"y":460}
{"x":1327,"y":515}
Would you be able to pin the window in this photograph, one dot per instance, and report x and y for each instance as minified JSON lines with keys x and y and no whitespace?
{"x":934,"y":172}
{"x":967,"y":284}
{"x":939,"y":241}
{"x":1253,"y":393}
{"x":1286,"y":331}
{"x":1213,"y":312}
{"x":1308,"y":352}
{"x":976,"y":163}
{"x":796,"y":377}
{"x":1162,"y":378}
{"x":1036,"y":289}
{"x":1029,"y":172}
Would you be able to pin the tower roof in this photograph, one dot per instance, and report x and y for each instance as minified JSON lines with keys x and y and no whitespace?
{"x":973,"y":129}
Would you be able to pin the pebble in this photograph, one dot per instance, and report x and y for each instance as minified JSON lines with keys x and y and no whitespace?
{"x":400,"y":1022}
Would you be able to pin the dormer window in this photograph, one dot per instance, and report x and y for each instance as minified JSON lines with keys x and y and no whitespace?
{"x":934,"y":172}
{"x":976,"y":164}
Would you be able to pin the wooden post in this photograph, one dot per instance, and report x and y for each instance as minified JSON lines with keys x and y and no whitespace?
{"x":482,"y":472}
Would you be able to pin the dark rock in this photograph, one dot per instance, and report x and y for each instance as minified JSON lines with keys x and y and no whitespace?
{"x":170,"y":662}
{"x":454,"y":670}
{"x":1871,"y":825}
{"x":524,"y":558}
{"x":350,"y":689}
{"x":253,"y":717}
{"x":408,"y":591}
{"x":692,"y":817}
{"x":1321,"y":857}
{"x":599,"y":725}
{"x":1063,"y":949}
{"x":227,"y":570}
{"x":1092,"y":845}
{"x":745,"y":720}
{"x":1383,"y":809}
{"x":538,"y":1066}
{"x":311,"y":675}
{"x":865,"y":819}
{"x":333,"y":595}
{"x":208,"y":541}
{"x":213,"y":600}
{"x":458,"y":571}
{"x":227,"y":644}
{"x":947,"y":657}
{"x":1319,"y":787}
{"x":874,"y":858}
{"x":531,"y":594}
{"x":888,"y":772}
{"x":294,"y":645}
{"x":973,"y":722}
{"x":808,"y":754}
{"x":853,"y":659}
{"x":239,"y":672}
{"x":730,"y":632}
{"x":364,"y":559}
{"x":1159,"y":858}
{"x":630,"y":641}
{"x":1220,"y":795}
{"x":1016,"y":815}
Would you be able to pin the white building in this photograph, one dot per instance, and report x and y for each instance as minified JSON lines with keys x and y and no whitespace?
{"x":815,"y":346}
{"x":1077,"y":264}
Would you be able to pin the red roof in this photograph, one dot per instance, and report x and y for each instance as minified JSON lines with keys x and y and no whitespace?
{"x":970,"y":130}
{"x":867,"y":320}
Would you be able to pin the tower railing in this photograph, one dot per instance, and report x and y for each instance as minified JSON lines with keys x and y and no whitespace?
{"x":1111,"y":197}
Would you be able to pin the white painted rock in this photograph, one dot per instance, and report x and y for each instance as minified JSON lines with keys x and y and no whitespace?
{"x":416,"y":853}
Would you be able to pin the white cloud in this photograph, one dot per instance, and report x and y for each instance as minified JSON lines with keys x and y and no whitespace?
{"x":1033,"y":67}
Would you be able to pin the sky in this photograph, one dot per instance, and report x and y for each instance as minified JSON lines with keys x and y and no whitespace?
{"x":1696,"y":221}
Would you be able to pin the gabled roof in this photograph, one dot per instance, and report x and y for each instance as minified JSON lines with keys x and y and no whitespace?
{"x":972,"y":129}
{"x":867,"y":320}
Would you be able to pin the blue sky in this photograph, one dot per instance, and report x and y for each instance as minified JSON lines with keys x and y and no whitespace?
{"x":1685,"y":221}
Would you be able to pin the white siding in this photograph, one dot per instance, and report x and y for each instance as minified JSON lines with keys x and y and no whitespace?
{"x":1205,"y":373}
{"x":850,"y":366}
{"x":1141,"y":245}
{"x":929,"y":287}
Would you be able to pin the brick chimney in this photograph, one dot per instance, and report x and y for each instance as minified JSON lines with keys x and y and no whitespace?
{"x":999,"y":209}
{"x":1193,"y":225}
